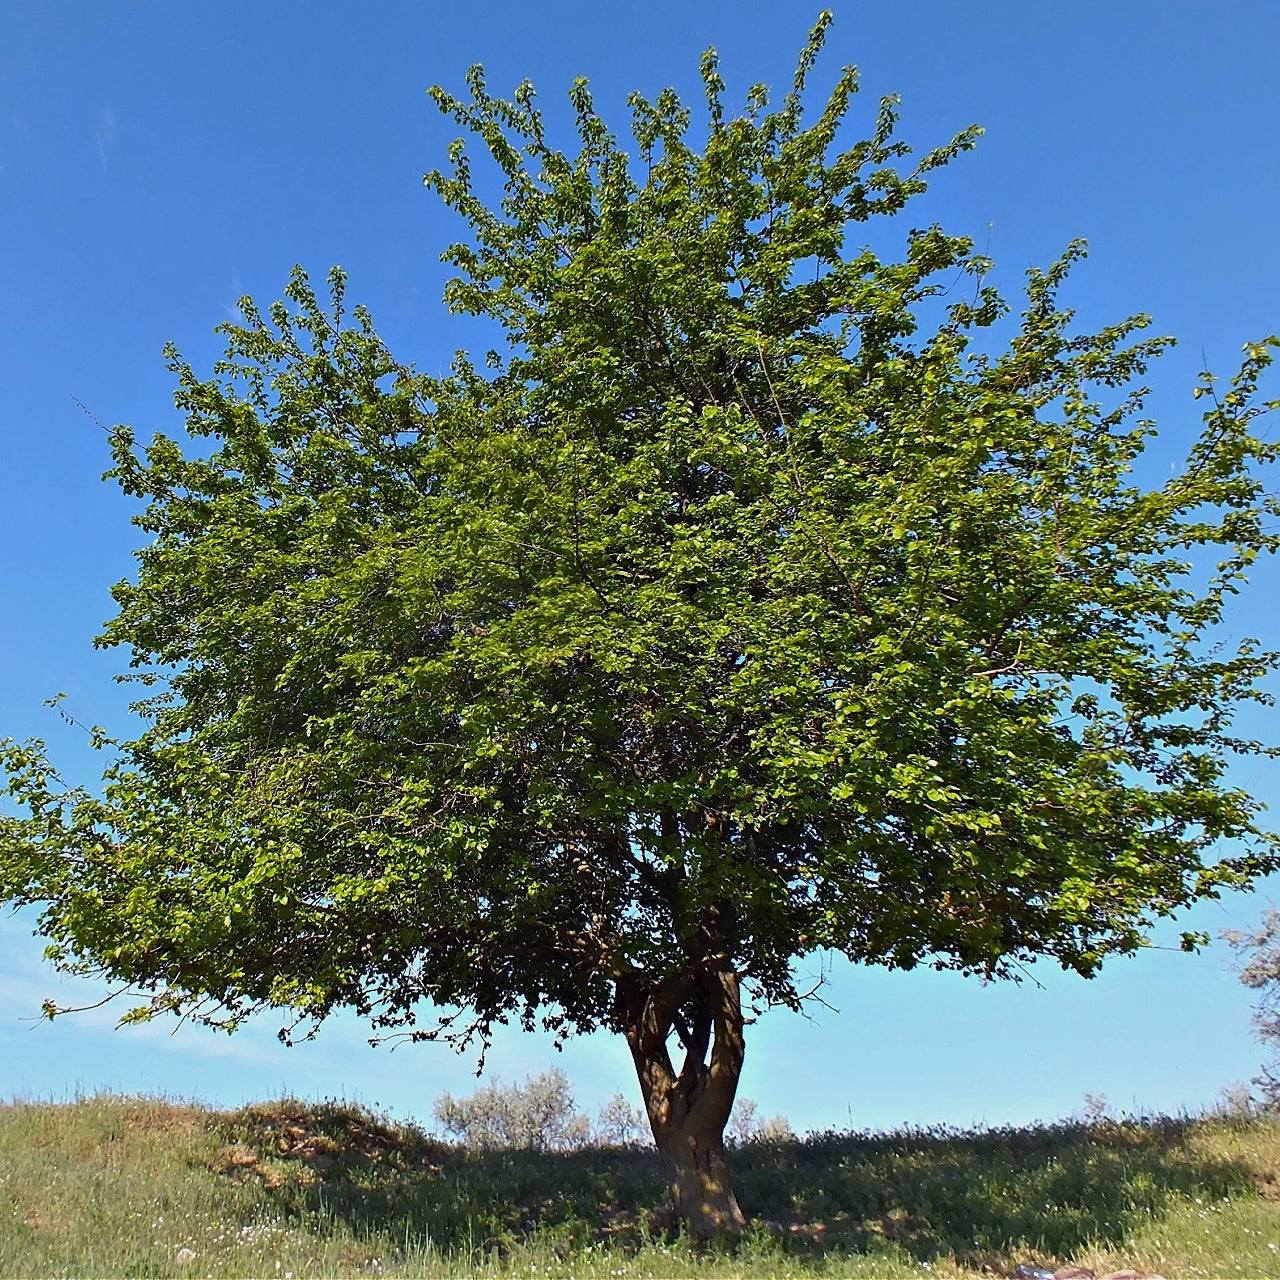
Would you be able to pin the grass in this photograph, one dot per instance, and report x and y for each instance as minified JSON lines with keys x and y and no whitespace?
{"x":111,"y":1186}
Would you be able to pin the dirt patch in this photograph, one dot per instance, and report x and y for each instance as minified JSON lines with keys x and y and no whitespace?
{"x":314,"y":1142}
{"x":170,"y":1117}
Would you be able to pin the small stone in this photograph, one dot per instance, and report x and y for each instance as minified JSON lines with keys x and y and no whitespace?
{"x":184,"y":1256}
{"x":1126,"y":1274}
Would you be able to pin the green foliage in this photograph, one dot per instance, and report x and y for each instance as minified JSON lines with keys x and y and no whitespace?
{"x":755,"y":600}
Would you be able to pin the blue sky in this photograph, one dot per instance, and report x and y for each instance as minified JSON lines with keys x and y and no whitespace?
{"x":158,"y":161}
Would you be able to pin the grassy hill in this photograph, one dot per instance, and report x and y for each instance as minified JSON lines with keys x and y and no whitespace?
{"x":113,"y":1186}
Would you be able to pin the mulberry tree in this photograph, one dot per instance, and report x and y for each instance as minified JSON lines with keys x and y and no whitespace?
{"x":764,"y":594}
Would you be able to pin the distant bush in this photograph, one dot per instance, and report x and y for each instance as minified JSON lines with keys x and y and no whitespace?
{"x":746,"y":1125}
{"x":1258,"y":950}
{"x":541,"y":1115}
{"x":538,"y":1115}
{"x":620,"y":1124}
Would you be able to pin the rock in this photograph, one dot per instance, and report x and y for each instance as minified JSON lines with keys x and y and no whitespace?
{"x":812,"y":1231}
{"x":184,"y":1257}
{"x":1075,"y":1273}
{"x":1126,"y":1274}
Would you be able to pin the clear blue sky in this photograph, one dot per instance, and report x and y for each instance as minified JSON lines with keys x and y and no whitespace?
{"x":157,"y":161}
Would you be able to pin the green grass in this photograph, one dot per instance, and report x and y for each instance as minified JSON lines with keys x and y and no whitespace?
{"x":111,"y":1186}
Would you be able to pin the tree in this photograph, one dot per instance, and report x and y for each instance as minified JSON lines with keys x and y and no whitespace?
{"x":1259,"y":952}
{"x":757,"y":599}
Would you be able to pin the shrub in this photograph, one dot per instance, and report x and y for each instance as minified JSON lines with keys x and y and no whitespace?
{"x":537,"y":1116}
{"x":620,"y":1124}
{"x":746,"y":1125}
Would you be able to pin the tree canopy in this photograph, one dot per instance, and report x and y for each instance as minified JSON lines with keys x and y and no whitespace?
{"x":762,"y":596}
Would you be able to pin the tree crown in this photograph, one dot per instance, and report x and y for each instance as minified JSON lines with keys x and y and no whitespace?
{"x":736,"y":611}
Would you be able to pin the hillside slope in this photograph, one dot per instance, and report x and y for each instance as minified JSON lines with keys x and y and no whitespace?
{"x":111,"y":1186}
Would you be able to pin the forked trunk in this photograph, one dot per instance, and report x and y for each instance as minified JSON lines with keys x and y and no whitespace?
{"x":689,"y":1110}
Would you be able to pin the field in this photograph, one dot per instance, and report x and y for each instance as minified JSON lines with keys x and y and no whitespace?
{"x":111,"y":1186}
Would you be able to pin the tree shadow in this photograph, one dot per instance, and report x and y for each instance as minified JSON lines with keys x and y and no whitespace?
{"x":979,"y":1197}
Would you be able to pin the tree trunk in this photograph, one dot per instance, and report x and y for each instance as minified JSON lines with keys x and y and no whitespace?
{"x":689,"y":1110}
{"x":698,"y":1174}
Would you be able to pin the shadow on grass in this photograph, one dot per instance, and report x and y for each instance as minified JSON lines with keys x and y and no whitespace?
{"x":979,"y":1197}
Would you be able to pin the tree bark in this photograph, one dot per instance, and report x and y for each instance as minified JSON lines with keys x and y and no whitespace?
{"x":688,"y":1110}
